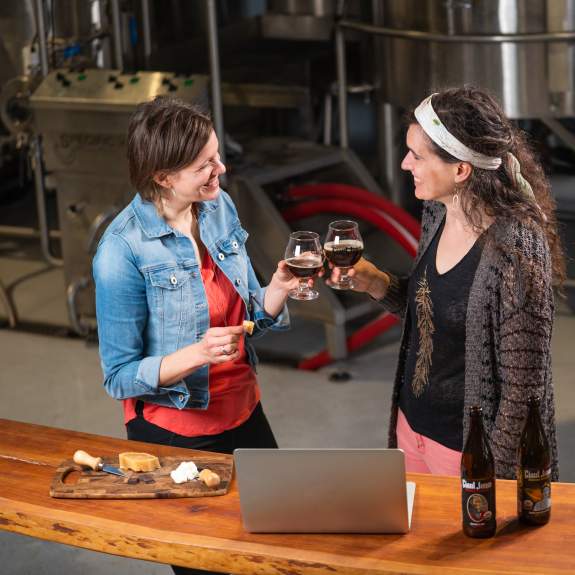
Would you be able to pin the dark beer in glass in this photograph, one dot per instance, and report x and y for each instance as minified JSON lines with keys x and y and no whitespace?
{"x":304,"y":259}
{"x":343,"y":247}
{"x":305,"y":267}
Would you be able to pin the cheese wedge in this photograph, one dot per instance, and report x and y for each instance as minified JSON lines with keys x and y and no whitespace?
{"x":138,"y":461}
{"x":210,"y":478}
{"x":249,"y":327}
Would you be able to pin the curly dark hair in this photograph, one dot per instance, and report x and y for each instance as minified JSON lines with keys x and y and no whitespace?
{"x":476,"y":119}
{"x":164,"y":136}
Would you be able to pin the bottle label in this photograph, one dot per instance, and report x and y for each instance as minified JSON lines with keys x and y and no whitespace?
{"x":534,"y":487}
{"x":478,"y":501}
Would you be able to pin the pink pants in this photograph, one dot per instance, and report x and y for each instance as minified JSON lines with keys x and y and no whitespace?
{"x":423,"y":455}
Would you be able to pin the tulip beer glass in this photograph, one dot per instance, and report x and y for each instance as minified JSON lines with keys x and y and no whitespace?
{"x":304,"y":259}
{"x":343,"y":247}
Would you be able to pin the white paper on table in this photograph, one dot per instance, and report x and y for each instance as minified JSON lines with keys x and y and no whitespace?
{"x":410,"y":488}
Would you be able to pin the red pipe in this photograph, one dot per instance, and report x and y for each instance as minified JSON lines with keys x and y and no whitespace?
{"x":347,"y":192}
{"x":352,"y":209}
{"x":346,"y":199}
{"x":358,"y":339}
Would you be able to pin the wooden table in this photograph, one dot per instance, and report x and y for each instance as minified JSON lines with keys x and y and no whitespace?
{"x":207,"y":532}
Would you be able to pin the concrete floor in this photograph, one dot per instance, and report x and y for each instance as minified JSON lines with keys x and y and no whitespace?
{"x":57,"y":381}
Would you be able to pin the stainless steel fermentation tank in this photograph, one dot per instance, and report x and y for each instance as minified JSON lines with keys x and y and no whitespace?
{"x":521,"y":51}
{"x":69,"y":23}
{"x":513,"y":49}
{"x":83,"y":118}
{"x":17,"y":29}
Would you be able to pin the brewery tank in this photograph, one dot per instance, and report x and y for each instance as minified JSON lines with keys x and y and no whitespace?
{"x":530,"y":78}
{"x":68,"y":22}
{"x":17,"y":29}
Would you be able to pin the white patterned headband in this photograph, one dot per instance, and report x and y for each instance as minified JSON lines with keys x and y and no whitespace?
{"x":434,"y":128}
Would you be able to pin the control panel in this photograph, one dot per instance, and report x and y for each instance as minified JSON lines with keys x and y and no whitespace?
{"x":91,"y":88}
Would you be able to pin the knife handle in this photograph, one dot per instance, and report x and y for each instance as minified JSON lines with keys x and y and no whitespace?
{"x":83,"y":458}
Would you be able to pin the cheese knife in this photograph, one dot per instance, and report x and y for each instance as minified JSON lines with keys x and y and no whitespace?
{"x":96,"y":463}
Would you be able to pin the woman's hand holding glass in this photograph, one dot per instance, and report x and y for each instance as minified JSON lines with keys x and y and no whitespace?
{"x":349,"y":271}
{"x":342,"y":248}
{"x":365,"y":276}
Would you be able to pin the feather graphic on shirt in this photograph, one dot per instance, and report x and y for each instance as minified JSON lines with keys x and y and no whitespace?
{"x":424,"y":314}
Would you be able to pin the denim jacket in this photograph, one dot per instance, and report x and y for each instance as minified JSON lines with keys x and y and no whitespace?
{"x":150,"y":298}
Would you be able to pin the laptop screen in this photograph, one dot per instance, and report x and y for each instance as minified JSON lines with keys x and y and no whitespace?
{"x":323,"y":490}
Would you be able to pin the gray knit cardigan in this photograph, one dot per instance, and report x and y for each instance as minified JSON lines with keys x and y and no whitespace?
{"x":508,"y":335}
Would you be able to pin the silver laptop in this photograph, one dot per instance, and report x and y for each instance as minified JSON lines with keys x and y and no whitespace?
{"x":324,"y":490}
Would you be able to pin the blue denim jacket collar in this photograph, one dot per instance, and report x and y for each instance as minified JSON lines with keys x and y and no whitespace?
{"x":152,"y":224}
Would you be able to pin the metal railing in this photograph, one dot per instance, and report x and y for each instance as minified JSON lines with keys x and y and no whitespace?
{"x":342,"y":25}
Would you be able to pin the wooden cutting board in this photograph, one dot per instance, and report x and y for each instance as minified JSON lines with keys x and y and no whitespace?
{"x":74,"y":482}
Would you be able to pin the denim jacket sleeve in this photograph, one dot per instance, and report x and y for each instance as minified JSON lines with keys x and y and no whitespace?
{"x":263,"y":321}
{"x":122,"y":312}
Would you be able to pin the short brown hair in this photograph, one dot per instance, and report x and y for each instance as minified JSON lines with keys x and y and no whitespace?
{"x":164,"y":135}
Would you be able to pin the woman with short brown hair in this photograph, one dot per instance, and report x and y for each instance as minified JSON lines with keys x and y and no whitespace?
{"x":174,"y":285}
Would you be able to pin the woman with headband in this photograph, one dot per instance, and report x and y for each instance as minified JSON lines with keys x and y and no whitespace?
{"x":478,"y":304}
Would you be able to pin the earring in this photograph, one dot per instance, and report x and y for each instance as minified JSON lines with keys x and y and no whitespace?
{"x":173,"y":192}
{"x":455,"y":199}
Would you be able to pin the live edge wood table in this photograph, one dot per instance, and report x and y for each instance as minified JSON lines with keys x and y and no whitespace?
{"x":207,"y":532}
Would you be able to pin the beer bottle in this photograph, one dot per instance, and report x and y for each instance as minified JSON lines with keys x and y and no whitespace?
{"x":477,"y":480}
{"x":534,"y":473}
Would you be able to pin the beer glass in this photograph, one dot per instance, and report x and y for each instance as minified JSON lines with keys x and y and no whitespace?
{"x":343,"y":248}
{"x":304,"y":259}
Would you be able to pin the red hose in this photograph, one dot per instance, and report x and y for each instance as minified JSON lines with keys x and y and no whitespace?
{"x":358,"y":339}
{"x":342,"y":198}
{"x":347,"y":192}
{"x":352,"y":209}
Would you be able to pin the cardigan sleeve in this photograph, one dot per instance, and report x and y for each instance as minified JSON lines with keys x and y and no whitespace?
{"x":395,"y":299}
{"x":523,"y":348}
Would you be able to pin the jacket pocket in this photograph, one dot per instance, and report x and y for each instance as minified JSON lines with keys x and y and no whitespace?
{"x":172,"y":300}
{"x":234,"y":242}
{"x":170,"y":278}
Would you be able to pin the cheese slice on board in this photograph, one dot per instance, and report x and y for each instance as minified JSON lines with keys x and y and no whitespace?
{"x":138,"y":461}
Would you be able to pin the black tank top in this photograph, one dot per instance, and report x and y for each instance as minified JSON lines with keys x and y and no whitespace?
{"x":433,"y":391}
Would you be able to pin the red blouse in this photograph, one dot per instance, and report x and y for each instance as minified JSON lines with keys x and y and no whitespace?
{"x":234,"y":392}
